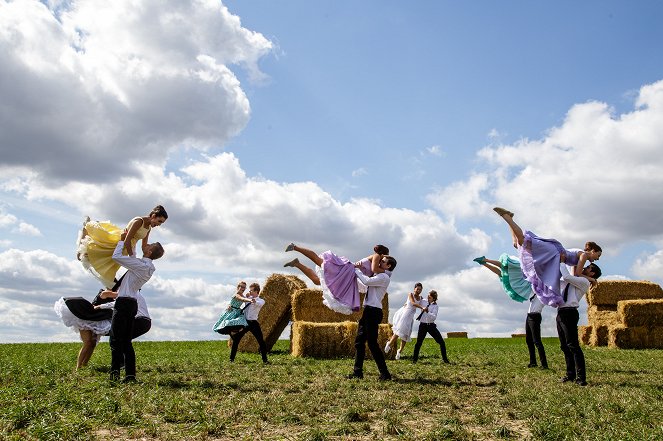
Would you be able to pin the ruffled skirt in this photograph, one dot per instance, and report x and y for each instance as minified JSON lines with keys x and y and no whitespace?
{"x":403,"y":321}
{"x":513,"y":280}
{"x":100,"y":327}
{"x":231,"y":320}
{"x":338,"y":281}
{"x":539,"y":261}
{"x":96,"y":251}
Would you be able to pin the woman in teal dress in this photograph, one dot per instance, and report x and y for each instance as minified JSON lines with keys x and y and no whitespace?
{"x":233,"y":318}
{"x":508,"y":270}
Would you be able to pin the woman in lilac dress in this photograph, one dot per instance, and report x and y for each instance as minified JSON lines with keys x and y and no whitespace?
{"x":336,"y":275}
{"x":540,"y":259}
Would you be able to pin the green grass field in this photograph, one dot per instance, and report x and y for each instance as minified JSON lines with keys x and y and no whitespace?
{"x":189,"y":390}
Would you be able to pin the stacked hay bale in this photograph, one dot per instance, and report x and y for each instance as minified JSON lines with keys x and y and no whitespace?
{"x":275,"y":314}
{"x":614,"y":303}
{"x":457,"y":334}
{"x":319,"y":332}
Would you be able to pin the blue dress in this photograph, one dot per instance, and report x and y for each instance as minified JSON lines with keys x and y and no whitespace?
{"x":232,"y":320}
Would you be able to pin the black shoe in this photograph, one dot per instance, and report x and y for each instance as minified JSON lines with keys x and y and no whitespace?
{"x":115,"y":376}
{"x":130,"y":379}
{"x":566,"y":379}
{"x":354,"y":375}
{"x":384,"y":377}
{"x":531,"y":365}
{"x":544,"y":367}
{"x":446,"y":360}
{"x":580,"y":382}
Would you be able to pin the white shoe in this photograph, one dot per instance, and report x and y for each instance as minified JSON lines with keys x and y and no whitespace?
{"x":387,"y":348}
{"x":398,"y":355}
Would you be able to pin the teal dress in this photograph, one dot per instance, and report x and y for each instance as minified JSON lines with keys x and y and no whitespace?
{"x":513,"y":280}
{"x":232,"y":320}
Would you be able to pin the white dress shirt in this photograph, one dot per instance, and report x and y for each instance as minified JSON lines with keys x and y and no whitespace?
{"x":377,"y":287}
{"x":139,"y":272}
{"x":252,"y":310}
{"x":578,"y":287}
{"x":142,"y":306}
{"x":535,"y":304}
{"x":431,"y":315}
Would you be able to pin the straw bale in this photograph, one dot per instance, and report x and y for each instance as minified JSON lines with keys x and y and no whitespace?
{"x":584,"y":334}
{"x":637,"y":337}
{"x":274,"y":316}
{"x":602,"y":314}
{"x":609,"y":292}
{"x":599,"y":335}
{"x":456,"y":334}
{"x":640,"y":312}
{"x":518,"y":335}
{"x":331,"y":340}
{"x":307,"y":306}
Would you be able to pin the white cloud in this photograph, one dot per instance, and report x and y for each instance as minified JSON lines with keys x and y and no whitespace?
{"x":95,"y":83}
{"x":435,"y":150}
{"x":595,"y":177}
{"x":649,"y":267}
{"x":7,"y":220}
{"x":28,"y":229}
{"x":359,"y":172}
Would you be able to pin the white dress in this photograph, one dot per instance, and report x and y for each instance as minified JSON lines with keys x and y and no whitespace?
{"x":404,"y":319}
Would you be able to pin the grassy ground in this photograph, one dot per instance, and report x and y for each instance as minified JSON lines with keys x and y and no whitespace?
{"x":189,"y":390}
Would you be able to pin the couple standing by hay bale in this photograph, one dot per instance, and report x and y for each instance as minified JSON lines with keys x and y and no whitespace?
{"x":341,"y":281}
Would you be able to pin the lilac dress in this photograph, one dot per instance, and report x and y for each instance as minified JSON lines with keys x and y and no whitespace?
{"x":539,"y":262}
{"x":340,"y":290}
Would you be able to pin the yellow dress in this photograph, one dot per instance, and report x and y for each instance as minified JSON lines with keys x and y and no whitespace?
{"x":96,"y":249}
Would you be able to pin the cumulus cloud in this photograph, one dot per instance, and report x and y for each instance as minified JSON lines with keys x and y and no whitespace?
{"x":595,"y":177}
{"x":91,"y":88}
{"x":649,"y":267}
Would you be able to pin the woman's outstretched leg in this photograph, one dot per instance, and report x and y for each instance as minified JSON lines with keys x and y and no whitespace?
{"x":306,"y":252}
{"x":493,"y":265}
{"x":516,"y":231}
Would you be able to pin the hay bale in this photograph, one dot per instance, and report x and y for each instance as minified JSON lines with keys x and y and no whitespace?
{"x":640,"y":312}
{"x":609,"y":292}
{"x":456,"y":334}
{"x":331,"y":340}
{"x":518,"y":335}
{"x":275,"y":314}
{"x":602,"y":314}
{"x":307,"y":307}
{"x":599,"y":335}
{"x":584,"y":334}
{"x":637,"y":337}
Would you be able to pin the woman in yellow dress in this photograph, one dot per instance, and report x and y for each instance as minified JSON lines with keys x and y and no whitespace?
{"x":99,"y":239}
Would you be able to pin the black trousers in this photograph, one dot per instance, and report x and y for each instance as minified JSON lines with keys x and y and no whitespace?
{"x":533,"y":338}
{"x":141,"y":326}
{"x":368,"y":333}
{"x":122,"y":323}
{"x":567,"y":330}
{"x":429,"y":328}
{"x":253,"y":328}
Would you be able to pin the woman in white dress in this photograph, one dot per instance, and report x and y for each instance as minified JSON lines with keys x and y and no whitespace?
{"x":403,"y":320}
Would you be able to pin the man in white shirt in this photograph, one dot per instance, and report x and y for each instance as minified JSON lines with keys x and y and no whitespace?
{"x":138,"y":273}
{"x":573,"y":288}
{"x":367,"y":331}
{"x":251,"y":312}
{"x":427,"y":326}
{"x":533,"y":332}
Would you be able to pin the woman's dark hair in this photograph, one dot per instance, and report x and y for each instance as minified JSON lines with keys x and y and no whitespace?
{"x":159,"y":211}
{"x":381,"y":249}
{"x":419,"y":285}
{"x":593,"y":246}
{"x":433,"y":294}
{"x":595,"y":269}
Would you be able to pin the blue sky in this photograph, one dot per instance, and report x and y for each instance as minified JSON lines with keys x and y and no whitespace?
{"x":336,"y":125}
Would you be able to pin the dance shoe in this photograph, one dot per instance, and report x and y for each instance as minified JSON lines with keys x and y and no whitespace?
{"x":480,"y":260}
{"x":293,"y":262}
{"x":502,"y":211}
{"x":387,"y":348}
{"x":290,"y":247}
{"x":398,"y":355}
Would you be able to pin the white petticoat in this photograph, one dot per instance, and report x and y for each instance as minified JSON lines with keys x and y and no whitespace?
{"x":403,"y":321}
{"x":101,"y":327}
{"x":328,"y":299}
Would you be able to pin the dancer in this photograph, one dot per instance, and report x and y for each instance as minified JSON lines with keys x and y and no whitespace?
{"x":427,"y":326}
{"x":97,"y":242}
{"x":139,"y":271}
{"x":336,"y":275}
{"x":540,"y":258}
{"x":514,"y":284}
{"x":367,"y":331}
{"x":403,"y":320}
{"x":574,"y":288}
{"x":251,"y":312}
{"x":233,"y":319}
{"x":93,"y":320}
